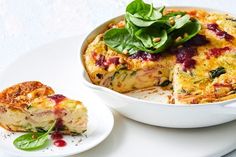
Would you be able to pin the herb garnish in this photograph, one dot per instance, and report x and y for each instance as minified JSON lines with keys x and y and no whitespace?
{"x":148,"y":29}
{"x":217,"y":72}
{"x":33,"y":141}
{"x":165,"y":83}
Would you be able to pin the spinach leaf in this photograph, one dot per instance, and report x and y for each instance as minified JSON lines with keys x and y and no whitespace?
{"x":140,"y":22}
{"x":144,"y":11}
{"x":188,"y":31}
{"x":179,"y":22}
{"x":165,"y":18}
{"x":173,"y":14}
{"x":217,"y":72}
{"x":137,"y":6}
{"x":130,"y":26}
{"x":142,"y":14}
{"x":33,"y":141}
{"x":148,"y":35}
{"x":121,"y":41}
{"x":154,"y":13}
{"x":148,"y":29}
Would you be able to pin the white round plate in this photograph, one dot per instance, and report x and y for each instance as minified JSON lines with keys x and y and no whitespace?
{"x":44,"y":66}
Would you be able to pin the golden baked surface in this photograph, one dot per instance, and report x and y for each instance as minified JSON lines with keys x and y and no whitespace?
{"x":196,"y":73}
{"x":33,"y":106}
{"x":20,"y":95}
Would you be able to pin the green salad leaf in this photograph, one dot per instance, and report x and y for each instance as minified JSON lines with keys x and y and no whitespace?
{"x":142,"y":14}
{"x":188,"y":31}
{"x":179,"y":23}
{"x":33,"y":141}
{"x":148,"y":29}
{"x":148,"y":35}
{"x":139,"y":22}
{"x":122,"y":41}
{"x":137,"y":6}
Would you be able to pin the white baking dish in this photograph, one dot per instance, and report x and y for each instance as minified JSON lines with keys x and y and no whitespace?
{"x":166,"y":115}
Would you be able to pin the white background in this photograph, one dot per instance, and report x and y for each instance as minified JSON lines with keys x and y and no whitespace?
{"x":27,"y":24}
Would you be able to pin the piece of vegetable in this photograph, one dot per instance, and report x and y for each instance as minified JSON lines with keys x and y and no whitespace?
{"x":139,"y":9}
{"x":179,"y":22}
{"x":148,"y":29}
{"x":148,"y":35}
{"x":165,"y":83}
{"x":33,"y":141}
{"x":121,"y":41}
{"x":217,"y":72}
{"x":142,"y":14}
{"x":186,"y":32}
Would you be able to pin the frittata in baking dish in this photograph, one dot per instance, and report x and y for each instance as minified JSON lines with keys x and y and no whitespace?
{"x":33,"y":106}
{"x":189,"y":51}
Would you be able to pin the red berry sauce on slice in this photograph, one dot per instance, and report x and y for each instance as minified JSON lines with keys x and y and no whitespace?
{"x":184,"y":55}
{"x":114,"y":60}
{"x":189,"y":64}
{"x":59,"y":125}
{"x":216,"y":52}
{"x":145,"y":56}
{"x":198,"y":40}
{"x":57,"y":98}
{"x":219,"y":85}
{"x":101,"y":61}
{"x":222,"y":34}
{"x":60,"y":143}
{"x":56,"y":135}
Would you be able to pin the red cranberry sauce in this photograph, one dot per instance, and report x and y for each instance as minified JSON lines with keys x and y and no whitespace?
{"x":184,"y":55}
{"x":145,"y":56}
{"x":189,"y":64}
{"x":222,"y":34}
{"x":219,"y":85}
{"x":56,"y":135}
{"x":57,"y":98}
{"x":59,"y":125}
{"x":216,"y":52}
{"x":60,"y":143}
{"x":198,"y":40}
{"x":114,"y":60}
{"x":101,"y":61}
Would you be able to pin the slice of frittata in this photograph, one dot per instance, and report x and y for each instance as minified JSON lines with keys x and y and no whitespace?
{"x":32,"y":106}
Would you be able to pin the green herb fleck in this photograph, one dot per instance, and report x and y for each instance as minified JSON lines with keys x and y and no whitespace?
{"x":133,"y":73}
{"x":217,"y":72}
{"x":40,"y":129}
{"x":165,"y":83}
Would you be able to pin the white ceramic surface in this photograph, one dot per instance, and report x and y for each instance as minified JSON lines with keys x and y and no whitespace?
{"x":128,"y":138}
{"x":43,"y":68}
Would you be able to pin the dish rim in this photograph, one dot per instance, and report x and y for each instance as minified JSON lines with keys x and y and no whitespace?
{"x":89,"y":83}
